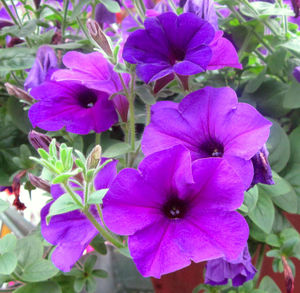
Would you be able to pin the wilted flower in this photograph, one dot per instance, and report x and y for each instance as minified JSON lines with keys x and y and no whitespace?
{"x":240,"y":270}
{"x":45,"y":64}
{"x":95,"y":72}
{"x":210,"y":123}
{"x":72,"y":105}
{"x":72,"y":232}
{"x":262,"y":169}
{"x":176,"y":211}
{"x":182,"y":45}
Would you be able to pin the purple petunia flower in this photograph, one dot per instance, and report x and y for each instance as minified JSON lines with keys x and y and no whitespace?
{"x":296,"y":73}
{"x":72,"y":232}
{"x":6,"y":188}
{"x":262,"y":169}
{"x":210,"y":123}
{"x":182,"y":45}
{"x":72,"y":105}
{"x":240,"y":270}
{"x":5,"y":19}
{"x":95,"y":72}
{"x":176,"y":211}
{"x":204,"y":9}
{"x":103,"y":15}
{"x":45,"y":64}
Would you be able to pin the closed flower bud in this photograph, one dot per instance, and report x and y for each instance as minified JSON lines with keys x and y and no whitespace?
{"x":94,"y":157}
{"x":98,"y":36}
{"x":39,"y":140}
{"x":18,"y":93}
{"x":39,"y":183}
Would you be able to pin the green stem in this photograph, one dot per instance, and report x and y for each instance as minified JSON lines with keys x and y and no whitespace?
{"x":83,"y":28}
{"x":284,"y":18}
{"x":86,"y":192}
{"x":148,"y":114}
{"x":131,"y":14}
{"x":98,"y":139}
{"x":259,"y":263}
{"x":63,"y":26}
{"x":173,"y":6}
{"x":72,"y":194}
{"x":10,"y":13}
{"x":131,"y":113}
{"x":103,"y":232}
{"x":16,"y":12}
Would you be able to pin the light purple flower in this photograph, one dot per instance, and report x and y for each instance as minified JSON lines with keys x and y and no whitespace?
{"x":103,"y":15}
{"x":72,"y":232}
{"x":72,"y":105}
{"x":5,"y":19}
{"x":182,"y":45}
{"x":210,"y":123}
{"x":240,"y":270}
{"x":296,"y":73}
{"x":262,"y":169}
{"x":204,"y":9}
{"x":176,"y":211}
{"x":45,"y":64}
{"x":95,"y":72}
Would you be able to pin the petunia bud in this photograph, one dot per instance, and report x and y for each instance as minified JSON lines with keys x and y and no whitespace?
{"x":39,"y":183}
{"x":16,"y":190}
{"x":296,"y":73}
{"x":98,"y":36}
{"x":288,"y":276}
{"x":94,"y":157}
{"x":18,"y":93}
{"x":39,"y":140}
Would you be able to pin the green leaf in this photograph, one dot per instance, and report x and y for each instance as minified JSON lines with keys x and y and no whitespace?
{"x":3,"y":205}
{"x":279,"y":147}
{"x":26,"y":29}
{"x":263,"y":213}
{"x":29,"y":249}
{"x":78,"y":8}
{"x":273,"y":240}
{"x":63,"y":178}
{"x":79,"y":284}
{"x":100,"y":273}
{"x":39,"y":288}
{"x":40,"y":270}
{"x":110,"y":5}
{"x":145,"y":95}
{"x":97,"y":196}
{"x":268,"y":285}
{"x":90,"y":263}
{"x":91,"y":285}
{"x":256,"y":82}
{"x":8,"y":243}
{"x":274,"y":253}
{"x":62,"y":205}
{"x":99,"y":245}
{"x":292,"y":97}
{"x":116,"y":150}
{"x":250,"y":198}
{"x":8,"y":263}
{"x":292,"y":45}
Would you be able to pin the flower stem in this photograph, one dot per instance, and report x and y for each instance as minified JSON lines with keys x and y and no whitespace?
{"x":16,"y":12}
{"x":98,"y":139}
{"x":10,"y":13}
{"x":259,"y":263}
{"x":131,"y":113}
{"x":72,"y":194}
{"x":63,"y":26}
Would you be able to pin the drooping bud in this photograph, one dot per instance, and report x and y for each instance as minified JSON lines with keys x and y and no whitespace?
{"x":94,"y":157}
{"x":288,"y":276}
{"x":98,"y":36}
{"x":39,"y":183}
{"x":16,"y":190}
{"x":18,"y":93}
{"x":39,"y":140}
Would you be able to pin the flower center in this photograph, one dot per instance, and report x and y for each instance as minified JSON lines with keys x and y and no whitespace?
{"x":87,"y":98}
{"x":177,"y":56}
{"x":212,"y":148}
{"x":174,"y":208}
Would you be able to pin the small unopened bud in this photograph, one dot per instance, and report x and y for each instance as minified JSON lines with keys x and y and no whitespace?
{"x":18,"y":93}
{"x":39,"y":140}
{"x":288,"y":276}
{"x":98,"y":36}
{"x":39,"y":183}
{"x":94,"y":157}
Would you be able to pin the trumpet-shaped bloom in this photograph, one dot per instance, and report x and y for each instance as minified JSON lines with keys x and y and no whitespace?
{"x":240,"y":270}
{"x":45,"y":64}
{"x":95,"y":72}
{"x":183,"y":45}
{"x":176,"y":211}
{"x":210,"y":123}
{"x":72,"y":232}
{"x":72,"y":105}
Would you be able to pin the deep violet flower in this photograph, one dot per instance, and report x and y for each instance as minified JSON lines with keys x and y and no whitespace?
{"x":102,"y":15}
{"x":240,"y":270}
{"x":184,"y":44}
{"x":7,"y":189}
{"x":95,"y":72}
{"x":72,"y":105}
{"x":5,"y":19}
{"x":204,"y":9}
{"x":262,"y":169}
{"x":72,"y":232}
{"x":44,"y":65}
{"x":296,"y":73}
{"x":210,"y":123}
{"x":176,"y":211}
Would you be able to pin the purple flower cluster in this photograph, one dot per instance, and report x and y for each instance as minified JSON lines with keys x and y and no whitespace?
{"x":201,"y":154}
